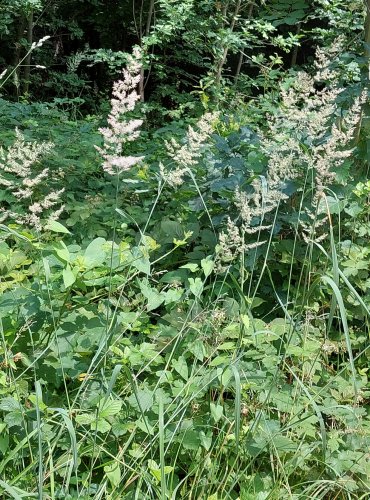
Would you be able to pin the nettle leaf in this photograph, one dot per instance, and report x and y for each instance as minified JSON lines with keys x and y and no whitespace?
{"x":332,"y":204}
{"x":181,"y":367}
{"x":85,"y":418}
{"x":14,"y":418}
{"x":101,"y":426}
{"x":196,"y":286}
{"x":283,"y":444}
{"x":143,"y":400}
{"x":109,"y":408}
{"x":9,"y":404}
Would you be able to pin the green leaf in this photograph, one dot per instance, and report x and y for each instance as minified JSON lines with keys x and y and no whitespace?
{"x":9,"y":404}
{"x":216,"y":411}
{"x":206,"y":440}
{"x":62,"y":251}
{"x":192,"y":267}
{"x":95,"y":254}
{"x":154,"y":298}
{"x":245,"y":320}
{"x":198,"y":350}
{"x":85,"y":418}
{"x":173,"y":295}
{"x":143,"y":400}
{"x":68,"y":277}
{"x":110,"y":408}
{"x":219,"y":360}
{"x":196,"y":286}
{"x":226,"y":346}
{"x":56,"y":227}
{"x":283,"y":444}
{"x":141,"y":260}
{"x":156,"y":471}
{"x":4,"y":443}
{"x":190,"y":440}
{"x":113,"y":473}
{"x":101,"y":426}
{"x":207,"y":266}
{"x":181,"y":367}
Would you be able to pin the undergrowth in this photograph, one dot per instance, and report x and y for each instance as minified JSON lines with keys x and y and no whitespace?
{"x":196,"y":322}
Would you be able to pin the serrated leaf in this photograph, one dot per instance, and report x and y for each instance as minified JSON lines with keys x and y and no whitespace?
{"x":101,"y":426}
{"x":110,"y":408}
{"x":14,"y":418}
{"x":283,"y":444}
{"x":85,"y":418}
{"x":142,"y":400}
{"x":9,"y":404}
{"x":198,"y":350}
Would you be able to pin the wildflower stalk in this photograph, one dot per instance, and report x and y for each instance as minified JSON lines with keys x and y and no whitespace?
{"x":27,"y":202}
{"x":34,"y":45}
{"x":120,"y":129}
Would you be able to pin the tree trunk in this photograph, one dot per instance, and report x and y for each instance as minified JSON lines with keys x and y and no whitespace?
{"x":17,"y":52}
{"x":147,"y":31}
{"x":226,"y":48}
{"x":367,"y":30}
{"x":364,"y":121}
{"x":27,"y":61}
{"x":241,"y":55}
{"x":293,"y":62}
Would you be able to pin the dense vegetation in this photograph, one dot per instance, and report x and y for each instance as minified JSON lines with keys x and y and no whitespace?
{"x":184,"y":261}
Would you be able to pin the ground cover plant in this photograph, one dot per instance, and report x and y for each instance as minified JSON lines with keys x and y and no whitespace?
{"x":184,"y":280}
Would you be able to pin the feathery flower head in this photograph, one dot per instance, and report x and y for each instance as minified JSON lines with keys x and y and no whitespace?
{"x":121,"y":130}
